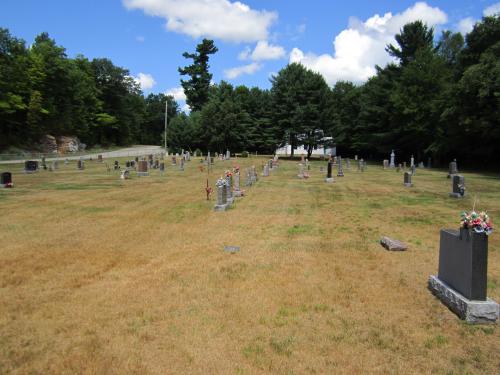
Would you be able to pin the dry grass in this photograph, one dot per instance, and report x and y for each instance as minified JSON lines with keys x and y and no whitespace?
{"x":102,"y":276}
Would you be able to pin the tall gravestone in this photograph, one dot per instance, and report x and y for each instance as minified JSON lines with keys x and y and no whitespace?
{"x":6,"y":180}
{"x":265,"y":172}
{"x":228,"y":155}
{"x":457,"y":186}
{"x":453,"y":169}
{"x":348,"y":164}
{"x":142,"y":168}
{"x":329,"y":177}
{"x":221,"y":195}
{"x":461,"y":283}
{"x":301,"y":171}
{"x":393,"y":156}
{"x":237,"y":192}
{"x":407,"y":179}
{"x":229,"y":191}
{"x":412,"y":161}
{"x":340,"y":171}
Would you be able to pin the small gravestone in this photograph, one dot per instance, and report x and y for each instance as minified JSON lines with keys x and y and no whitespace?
{"x":399,"y":168}
{"x":329,"y":177}
{"x":356,"y":157}
{"x":340,"y":171}
{"x":248,"y":178}
{"x":265,"y":172}
{"x":55,"y":164}
{"x":125,"y":174}
{"x":6,"y":180}
{"x":128,"y":164}
{"x":458,"y":186}
{"x":386,"y":163}
{"x":453,"y":169}
{"x":30,"y":166}
{"x":301,"y":171}
{"x":407,"y":179}
{"x":392,"y":244}
{"x":231,"y":249}
{"x":174,"y":160}
{"x":132,"y":164}
{"x":142,"y":168}
{"x":221,"y":195}
{"x":421,"y":164}
{"x":348,"y":164}
{"x":393,"y":156}
{"x":181,"y":165}
{"x":80,"y":164}
{"x":412,"y":161}
{"x":116,"y":165}
{"x":99,"y":158}
{"x":162,"y":168}
{"x":156,"y":164}
{"x":461,"y":283}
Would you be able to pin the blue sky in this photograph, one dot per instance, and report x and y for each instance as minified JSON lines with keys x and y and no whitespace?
{"x":340,"y":39}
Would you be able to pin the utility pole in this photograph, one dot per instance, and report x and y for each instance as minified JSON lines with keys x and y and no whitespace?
{"x":166,"y":115}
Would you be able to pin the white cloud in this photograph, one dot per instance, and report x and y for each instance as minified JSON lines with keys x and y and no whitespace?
{"x":220,"y":19}
{"x":466,"y":25}
{"x":140,"y":39}
{"x":362,"y":46}
{"x":177,"y":93}
{"x":233,"y":73}
{"x":492,"y":10}
{"x":146,"y":81}
{"x":245,"y":54}
{"x":265,"y":51}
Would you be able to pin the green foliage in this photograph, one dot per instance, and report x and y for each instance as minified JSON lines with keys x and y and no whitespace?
{"x":197,"y":87}
{"x":413,"y":37}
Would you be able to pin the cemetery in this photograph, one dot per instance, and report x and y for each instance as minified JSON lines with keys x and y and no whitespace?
{"x":107,"y":266}
{"x":177,"y":194}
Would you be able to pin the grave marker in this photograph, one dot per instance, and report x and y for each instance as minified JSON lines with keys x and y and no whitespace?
{"x":6,"y":180}
{"x":81,"y":164}
{"x":407,"y":179}
{"x":340,"y":172}
{"x":30,"y":166}
{"x":453,"y":170}
{"x":142,"y":168}
{"x":329,"y":177}
{"x":221,"y":195}
{"x":458,"y":186}
{"x":393,"y":156}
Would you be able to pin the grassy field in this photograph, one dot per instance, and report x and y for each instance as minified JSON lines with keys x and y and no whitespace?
{"x":103,"y":276}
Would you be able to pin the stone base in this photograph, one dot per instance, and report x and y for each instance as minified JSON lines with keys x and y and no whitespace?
{"x":471,"y":311}
{"x":142,"y":174}
{"x":408,"y":185}
{"x":329,"y":180}
{"x":220,"y":207}
{"x":456,"y":195}
{"x":237,"y":193}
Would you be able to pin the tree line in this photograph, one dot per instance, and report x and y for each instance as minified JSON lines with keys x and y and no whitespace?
{"x":439,"y":99}
{"x":42,"y":91}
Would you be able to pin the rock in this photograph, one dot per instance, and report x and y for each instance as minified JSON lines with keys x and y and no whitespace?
{"x":48,"y":144}
{"x":68,"y":144}
{"x":393,"y":245}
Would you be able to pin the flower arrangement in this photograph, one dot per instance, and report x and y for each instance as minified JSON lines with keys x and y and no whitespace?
{"x":229,"y":173}
{"x":221,"y":182}
{"x":478,"y":222}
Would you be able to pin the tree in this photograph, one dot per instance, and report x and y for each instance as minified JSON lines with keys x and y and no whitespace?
{"x":197,"y":87}
{"x":299,"y":101}
{"x":412,"y":37}
{"x":153,"y":126}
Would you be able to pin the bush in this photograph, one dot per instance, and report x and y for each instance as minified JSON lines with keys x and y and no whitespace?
{"x":244,"y":154}
{"x":197,"y":152}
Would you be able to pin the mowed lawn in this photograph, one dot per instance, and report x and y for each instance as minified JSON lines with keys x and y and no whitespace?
{"x":103,"y":276}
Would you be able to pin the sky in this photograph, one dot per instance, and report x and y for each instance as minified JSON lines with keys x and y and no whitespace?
{"x":342,"y":40}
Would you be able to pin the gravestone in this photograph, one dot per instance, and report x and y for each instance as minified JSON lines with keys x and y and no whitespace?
{"x":117,"y":165}
{"x":125,"y":174}
{"x":136,"y":159}
{"x":99,"y":158}
{"x":30,"y":166}
{"x":237,"y":192}
{"x":404,"y":165}
{"x":329,"y":177}
{"x":44,"y":165}
{"x":181,"y":165}
{"x":413,"y":170}
{"x":356,"y":157}
{"x":51,"y":167}
{"x":142,"y":168}
{"x":458,"y":186}
{"x":174,"y":160}
{"x":270,"y":164}
{"x":340,"y":172}
{"x":461,"y":283}
{"x":362,"y":165}
{"x":392,"y":244}
{"x":453,"y":170}
{"x":6,"y":180}
{"x":229,"y":191}
{"x":421,"y":164}
{"x":127,"y":164}
{"x":386,"y":163}
{"x":412,"y":161}
{"x":399,"y":168}
{"x":348,"y":164}
{"x":393,"y":156}
{"x":254,"y":174}
{"x":162,"y":168}
{"x":248,"y":177}
{"x":156,"y":164}
{"x":81,"y":165}
{"x":265,"y":172}
{"x":407,"y":179}
{"x":228,"y":155}
{"x":55,"y":164}
{"x":308,"y":167}
{"x":132,"y":163}
{"x":66,"y":161}
{"x":301,"y":171}
{"x":221,"y":195}
{"x":302,"y":160}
